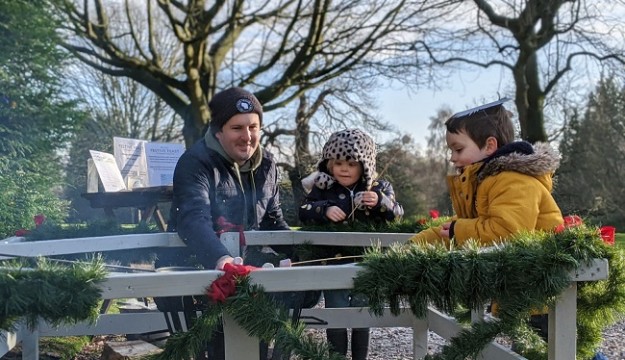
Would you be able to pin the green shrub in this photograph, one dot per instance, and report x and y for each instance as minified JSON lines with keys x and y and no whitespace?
{"x":24,"y":195}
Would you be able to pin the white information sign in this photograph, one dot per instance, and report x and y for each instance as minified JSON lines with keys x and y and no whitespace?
{"x":130,"y":157}
{"x":110,"y":175}
{"x":161,"y":161}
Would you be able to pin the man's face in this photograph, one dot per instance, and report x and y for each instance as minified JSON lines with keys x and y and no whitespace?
{"x":240,"y":136}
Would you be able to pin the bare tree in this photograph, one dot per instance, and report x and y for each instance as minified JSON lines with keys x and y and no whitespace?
{"x":123,"y":106}
{"x":279,"y":49}
{"x":338,"y":104}
{"x":538,"y":41}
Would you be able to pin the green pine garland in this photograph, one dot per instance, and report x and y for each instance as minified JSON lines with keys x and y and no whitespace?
{"x":49,"y":291}
{"x":260,"y":315}
{"x":427,"y":275}
{"x":310,"y":252}
{"x":417,"y":275}
{"x":527,"y":273}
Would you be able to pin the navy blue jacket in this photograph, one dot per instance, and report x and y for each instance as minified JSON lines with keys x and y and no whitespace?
{"x":206,"y":187}
{"x":313,"y":209}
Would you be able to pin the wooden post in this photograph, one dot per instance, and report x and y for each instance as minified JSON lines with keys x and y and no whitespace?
{"x":239,"y":345}
{"x":30,"y":343}
{"x":562,"y":326}
{"x":420,"y":338}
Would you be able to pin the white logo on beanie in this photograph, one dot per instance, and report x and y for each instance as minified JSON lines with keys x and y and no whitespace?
{"x":244,"y":105}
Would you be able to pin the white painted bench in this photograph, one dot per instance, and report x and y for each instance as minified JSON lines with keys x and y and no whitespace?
{"x":562,"y":318}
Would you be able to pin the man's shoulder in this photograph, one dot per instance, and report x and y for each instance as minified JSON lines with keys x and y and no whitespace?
{"x":268,"y":160}
{"x":267,"y":155}
{"x":199,"y":152}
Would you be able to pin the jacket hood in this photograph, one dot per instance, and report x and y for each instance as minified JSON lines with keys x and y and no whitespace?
{"x":348,"y":144}
{"x":537,"y":161}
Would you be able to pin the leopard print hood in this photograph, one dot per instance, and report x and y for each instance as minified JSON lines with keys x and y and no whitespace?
{"x":349,"y":144}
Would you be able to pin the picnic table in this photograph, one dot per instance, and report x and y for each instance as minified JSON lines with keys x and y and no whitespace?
{"x":146,"y":200}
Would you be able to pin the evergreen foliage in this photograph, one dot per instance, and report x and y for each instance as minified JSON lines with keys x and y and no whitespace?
{"x":525,"y":274}
{"x":522,"y":275}
{"x":51,"y":231}
{"x":592,"y":150}
{"x":309,"y":252}
{"x":48,"y":291}
{"x":35,"y":120}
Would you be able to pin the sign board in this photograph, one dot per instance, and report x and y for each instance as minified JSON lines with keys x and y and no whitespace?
{"x":161,"y":159}
{"x":138,"y":163}
{"x":130,"y":157}
{"x":110,"y":175}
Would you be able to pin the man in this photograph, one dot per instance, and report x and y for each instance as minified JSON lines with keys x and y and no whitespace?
{"x":224,"y":182}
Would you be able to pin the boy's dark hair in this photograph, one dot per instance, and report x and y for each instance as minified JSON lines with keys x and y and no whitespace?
{"x":494,"y":121}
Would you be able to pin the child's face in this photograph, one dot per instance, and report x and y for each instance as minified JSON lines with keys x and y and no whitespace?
{"x":346,"y":173}
{"x":464,"y":151}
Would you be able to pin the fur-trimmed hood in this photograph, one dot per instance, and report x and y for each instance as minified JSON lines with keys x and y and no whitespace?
{"x":348,"y":144}
{"x":537,"y":160}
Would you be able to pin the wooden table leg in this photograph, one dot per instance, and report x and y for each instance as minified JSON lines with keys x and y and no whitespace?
{"x":160,"y":220}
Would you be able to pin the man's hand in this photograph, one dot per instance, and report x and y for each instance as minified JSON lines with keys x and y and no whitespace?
{"x":335,"y":214}
{"x":226,"y":259}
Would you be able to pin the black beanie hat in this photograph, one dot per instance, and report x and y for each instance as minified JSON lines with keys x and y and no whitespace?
{"x":230,"y":102}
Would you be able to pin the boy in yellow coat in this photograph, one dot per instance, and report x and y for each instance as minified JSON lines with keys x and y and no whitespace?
{"x":501,"y":187}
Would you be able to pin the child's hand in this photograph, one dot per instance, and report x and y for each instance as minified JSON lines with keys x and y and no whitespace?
{"x":335,"y":214}
{"x":366,"y":198}
{"x":445,"y":230}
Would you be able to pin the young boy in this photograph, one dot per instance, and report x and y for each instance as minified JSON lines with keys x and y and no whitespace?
{"x":501,"y":186}
{"x":344,"y":190}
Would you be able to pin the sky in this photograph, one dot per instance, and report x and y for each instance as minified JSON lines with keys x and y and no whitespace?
{"x":410,"y":111}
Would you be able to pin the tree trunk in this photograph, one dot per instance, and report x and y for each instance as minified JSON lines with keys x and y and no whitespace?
{"x":529,"y":99}
{"x":303,"y":158}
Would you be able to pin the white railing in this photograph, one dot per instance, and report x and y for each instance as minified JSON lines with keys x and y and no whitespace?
{"x":562,"y":318}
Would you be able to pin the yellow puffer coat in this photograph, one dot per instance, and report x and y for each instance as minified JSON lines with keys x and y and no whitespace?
{"x":502,"y":195}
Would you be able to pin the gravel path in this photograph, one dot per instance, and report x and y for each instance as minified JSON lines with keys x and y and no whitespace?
{"x":396,"y":343}
{"x":386,"y":344}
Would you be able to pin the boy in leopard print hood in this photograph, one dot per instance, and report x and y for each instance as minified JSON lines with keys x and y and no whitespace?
{"x":344,"y":189}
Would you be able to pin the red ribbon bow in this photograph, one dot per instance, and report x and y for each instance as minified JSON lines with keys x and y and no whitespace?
{"x":607,"y":234}
{"x":39,"y":219}
{"x":569,"y":222}
{"x":225,"y":226}
{"x":225,"y":285}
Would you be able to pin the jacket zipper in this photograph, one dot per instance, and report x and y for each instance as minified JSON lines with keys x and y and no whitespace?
{"x":236,"y":170}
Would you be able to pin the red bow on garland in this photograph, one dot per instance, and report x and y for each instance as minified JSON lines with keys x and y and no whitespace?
{"x":225,"y":226}
{"x":225,"y":286}
{"x":434,"y":214}
{"x":39,"y":219}
{"x":607,"y":232}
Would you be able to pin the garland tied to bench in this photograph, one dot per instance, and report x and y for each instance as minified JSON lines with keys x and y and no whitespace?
{"x":527,"y":273}
{"x":46,"y":290}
